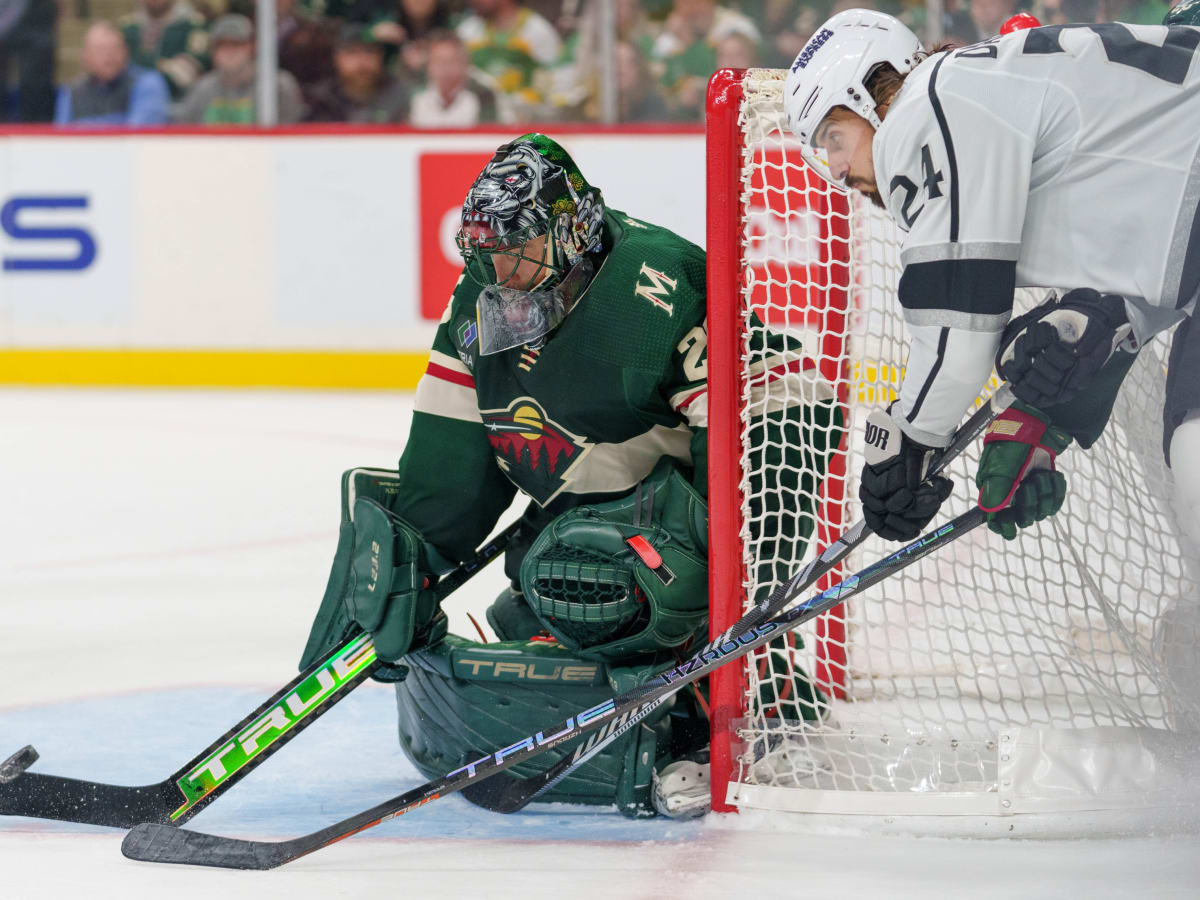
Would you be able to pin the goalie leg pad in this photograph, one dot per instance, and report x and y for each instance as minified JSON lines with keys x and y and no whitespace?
{"x":462,"y":699}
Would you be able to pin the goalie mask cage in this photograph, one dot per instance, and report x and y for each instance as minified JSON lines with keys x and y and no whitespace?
{"x":1022,"y":687}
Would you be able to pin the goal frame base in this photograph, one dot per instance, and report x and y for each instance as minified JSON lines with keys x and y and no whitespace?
{"x":774,"y":810}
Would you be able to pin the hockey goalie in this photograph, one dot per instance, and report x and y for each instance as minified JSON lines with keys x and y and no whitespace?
{"x":570,"y":365}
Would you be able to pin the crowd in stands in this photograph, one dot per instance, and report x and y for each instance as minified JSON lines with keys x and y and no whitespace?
{"x":431,"y":63}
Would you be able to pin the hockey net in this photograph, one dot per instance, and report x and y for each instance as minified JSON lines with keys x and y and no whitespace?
{"x":1019,"y":686}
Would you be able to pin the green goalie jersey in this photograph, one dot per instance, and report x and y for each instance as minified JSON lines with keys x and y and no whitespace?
{"x":621,"y":383}
{"x":618,"y":385}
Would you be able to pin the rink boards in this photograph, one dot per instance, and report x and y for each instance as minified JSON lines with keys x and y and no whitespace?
{"x":294,"y":259}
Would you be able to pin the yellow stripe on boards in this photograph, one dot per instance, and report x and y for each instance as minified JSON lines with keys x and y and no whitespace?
{"x":212,"y":368}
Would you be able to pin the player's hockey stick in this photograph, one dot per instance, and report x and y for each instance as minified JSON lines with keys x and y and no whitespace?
{"x":232,"y":756}
{"x":506,"y":793}
{"x":163,"y":843}
{"x":17,"y":763}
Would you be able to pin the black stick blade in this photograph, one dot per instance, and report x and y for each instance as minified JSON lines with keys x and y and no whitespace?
{"x":503,"y":793}
{"x":150,"y":842}
{"x":90,"y":802}
{"x":17,"y":763}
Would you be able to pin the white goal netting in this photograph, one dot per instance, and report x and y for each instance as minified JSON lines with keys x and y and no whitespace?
{"x":1039,"y":676}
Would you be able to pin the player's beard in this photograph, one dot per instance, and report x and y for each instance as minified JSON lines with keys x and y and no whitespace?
{"x":868,"y":189}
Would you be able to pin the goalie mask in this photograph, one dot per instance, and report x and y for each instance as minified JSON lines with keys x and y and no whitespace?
{"x":832,"y":70}
{"x":529,"y":219}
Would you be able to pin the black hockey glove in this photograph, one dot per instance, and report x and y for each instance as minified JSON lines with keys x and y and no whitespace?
{"x":1054,"y":351}
{"x":898,"y":499}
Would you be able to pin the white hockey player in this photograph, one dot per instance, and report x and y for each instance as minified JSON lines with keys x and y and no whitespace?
{"x":1060,"y":156}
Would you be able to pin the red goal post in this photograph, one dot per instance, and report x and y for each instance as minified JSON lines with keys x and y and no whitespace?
{"x":825,"y":299}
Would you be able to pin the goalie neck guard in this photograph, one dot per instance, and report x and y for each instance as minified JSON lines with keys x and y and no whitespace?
{"x":833,"y":68}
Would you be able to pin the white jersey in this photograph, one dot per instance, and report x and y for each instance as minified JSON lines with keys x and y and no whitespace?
{"x":1061,"y":157}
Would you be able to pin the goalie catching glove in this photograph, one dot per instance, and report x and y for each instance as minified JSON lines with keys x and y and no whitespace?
{"x":380,"y":581}
{"x":626,"y":577}
{"x":1017,"y":481}
{"x":1054,"y":351}
{"x":897,"y":496}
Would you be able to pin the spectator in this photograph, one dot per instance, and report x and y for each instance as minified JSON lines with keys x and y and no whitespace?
{"x":168,"y":35}
{"x":687,"y":48}
{"x":451,"y":97}
{"x":695,"y":26}
{"x":736,"y":51}
{"x":111,"y":91}
{"x":989,"y":15}
{"x":402,"y":26}
{"x":1137,"y":12}
{"x":638,"y":96}
{"x":28,"y":43}
{"x":958,"y":29}
{"x":305,"y":45}
{"x":576,"y":78}
{"x":289,"y":18}
{"x":226,"y":95}
{"x":419,"y":20}
{"x":360,"y":91}
{"x":788,"y":26}
{"x":1051,"y":12}
{"x":509,"y":42}
{"x":633,"y":26}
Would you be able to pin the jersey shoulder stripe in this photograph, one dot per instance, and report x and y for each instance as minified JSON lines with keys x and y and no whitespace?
{"x":447,"y":389}
{"x":977,"y":289}
{"x":948,"y":140}
{"x":447,"y":374}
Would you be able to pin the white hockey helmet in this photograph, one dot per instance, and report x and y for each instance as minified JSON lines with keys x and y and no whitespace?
{"x":833,"y":68}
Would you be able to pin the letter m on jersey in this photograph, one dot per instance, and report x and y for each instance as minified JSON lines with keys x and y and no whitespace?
{"x":658,"y":288}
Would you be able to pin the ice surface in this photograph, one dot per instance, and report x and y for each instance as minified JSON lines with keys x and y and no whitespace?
{"x":161,"y":556}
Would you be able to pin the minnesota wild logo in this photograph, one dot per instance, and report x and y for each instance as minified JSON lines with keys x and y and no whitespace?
{"x":536,"y":452}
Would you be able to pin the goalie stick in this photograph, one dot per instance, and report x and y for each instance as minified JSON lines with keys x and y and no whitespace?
{"x":151,"y":842}
{"x":505,"y":793}
{"x":234,"y":754}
